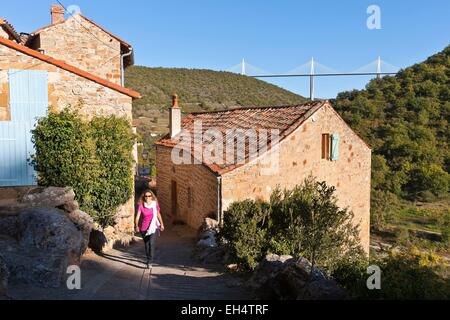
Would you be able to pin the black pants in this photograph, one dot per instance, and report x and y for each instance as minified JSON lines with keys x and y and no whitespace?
{"x":149,"y":242}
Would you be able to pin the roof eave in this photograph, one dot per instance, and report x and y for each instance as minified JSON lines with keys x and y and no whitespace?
{"x":63,"y":65}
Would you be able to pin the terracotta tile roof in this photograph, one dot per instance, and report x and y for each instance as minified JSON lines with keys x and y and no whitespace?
{"x":286,"y":119}
{"x":67,"y":67}
{"x":9,"y":29}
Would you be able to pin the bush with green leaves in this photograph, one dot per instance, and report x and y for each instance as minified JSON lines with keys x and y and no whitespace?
{"x":384,"y":206}
{"x":315,"y":227}
{"x":404,"y":118}
{"x":93,"y":157}
{"x":411,"y":274}
{"x":304,"y":221}
{"x":406,"y":275}
{"x":245,"y":232}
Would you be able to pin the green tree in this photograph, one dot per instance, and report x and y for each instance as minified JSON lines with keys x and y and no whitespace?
{"x":309,"y":219}
{"x":94,"y":158}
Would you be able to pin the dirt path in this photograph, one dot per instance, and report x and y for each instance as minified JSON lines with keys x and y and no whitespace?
{"x":121,"y":274}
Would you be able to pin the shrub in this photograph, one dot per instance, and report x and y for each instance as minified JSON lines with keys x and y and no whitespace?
{"x":412,"y":275}
{"x":351,"y":274}
{"x":444,"y":225}
{"x":245,"y":232}
{"x":405,"y":275}
{"x":384,"y":206}
{"x":94,"y":158}
{"x":304,"y":221}
{"x":310,"y":221}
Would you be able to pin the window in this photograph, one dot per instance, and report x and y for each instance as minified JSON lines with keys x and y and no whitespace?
{"x":326,"y":146}
{"x":335,"y":139}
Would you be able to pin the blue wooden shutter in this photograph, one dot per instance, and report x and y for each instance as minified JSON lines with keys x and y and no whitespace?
{"x":335,"y":140}
{"x":28,"y":98}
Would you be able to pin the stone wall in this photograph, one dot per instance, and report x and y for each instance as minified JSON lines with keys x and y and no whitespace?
{"x":4,"y":34}
{"x":83,"y":45}
{"x":193,"y":208}
{"x":66,"y":88}
{"x":301,"y":156}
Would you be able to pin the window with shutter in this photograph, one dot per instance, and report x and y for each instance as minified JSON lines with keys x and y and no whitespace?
{"x":335,"y":140}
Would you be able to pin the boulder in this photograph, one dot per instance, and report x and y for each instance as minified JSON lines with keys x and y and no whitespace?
{"x":4,"y":276}
{"x":50,"y":230}
{"x":286,"y":278}
{"x":209,"y":242}
{"x":71,"y":206}
{"x":84,"y":223}
{"x":47,"y":243}
{"x":9,"y":226}
{"x":209,"y":225}
{"x":51,"y":197}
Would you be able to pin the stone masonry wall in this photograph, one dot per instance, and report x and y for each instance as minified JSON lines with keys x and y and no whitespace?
{"x":201,"y":181}
{"x":83,"y":45}
{"x":301,"y":156}
{"x":4,"y":34}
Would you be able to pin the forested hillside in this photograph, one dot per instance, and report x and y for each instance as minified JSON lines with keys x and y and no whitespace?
{"x":405,"y":120}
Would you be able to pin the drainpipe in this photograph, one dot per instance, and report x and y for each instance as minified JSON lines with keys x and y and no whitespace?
{"x":219,"y":200}
{"x":122,"y":66}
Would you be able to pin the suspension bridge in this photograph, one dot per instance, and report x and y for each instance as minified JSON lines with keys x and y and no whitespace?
{"x":313,"y":69}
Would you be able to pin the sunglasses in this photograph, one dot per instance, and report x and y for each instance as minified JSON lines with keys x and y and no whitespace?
{"x":148,"y":196}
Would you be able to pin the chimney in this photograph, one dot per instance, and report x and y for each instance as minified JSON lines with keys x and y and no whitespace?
{"x":57,"y":11}
{"x":175,"y":117}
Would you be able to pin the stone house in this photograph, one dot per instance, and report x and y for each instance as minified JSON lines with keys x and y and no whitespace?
{"x":292,"y":143}
{"x":70,"y":62}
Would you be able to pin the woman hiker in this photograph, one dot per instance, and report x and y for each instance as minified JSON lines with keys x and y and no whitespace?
{"x":149,"y":223}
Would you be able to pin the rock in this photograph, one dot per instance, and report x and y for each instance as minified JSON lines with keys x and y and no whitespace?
{"x":209,"y":224}
{"x":84,"y":223}
{"x":4,"y":276}
{"x":71,"y":206}
{"x":51,"y":231}
{"x":48,"y":197}
{"x":207,"y":243}
{"x":109,"y":233}
{"x":37,"y":268}
{"x":286,"y":278}
{"x":97,"y":241}
{"x":232,"y":267}
{"x":207,"y":234}
{"x":9,"y":226}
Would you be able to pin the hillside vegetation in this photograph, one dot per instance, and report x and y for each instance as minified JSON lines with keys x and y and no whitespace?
{"x":198,"y":90}
{"x":405,"y":120}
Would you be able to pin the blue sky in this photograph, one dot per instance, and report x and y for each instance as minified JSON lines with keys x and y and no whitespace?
{"x":275,"y":35}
